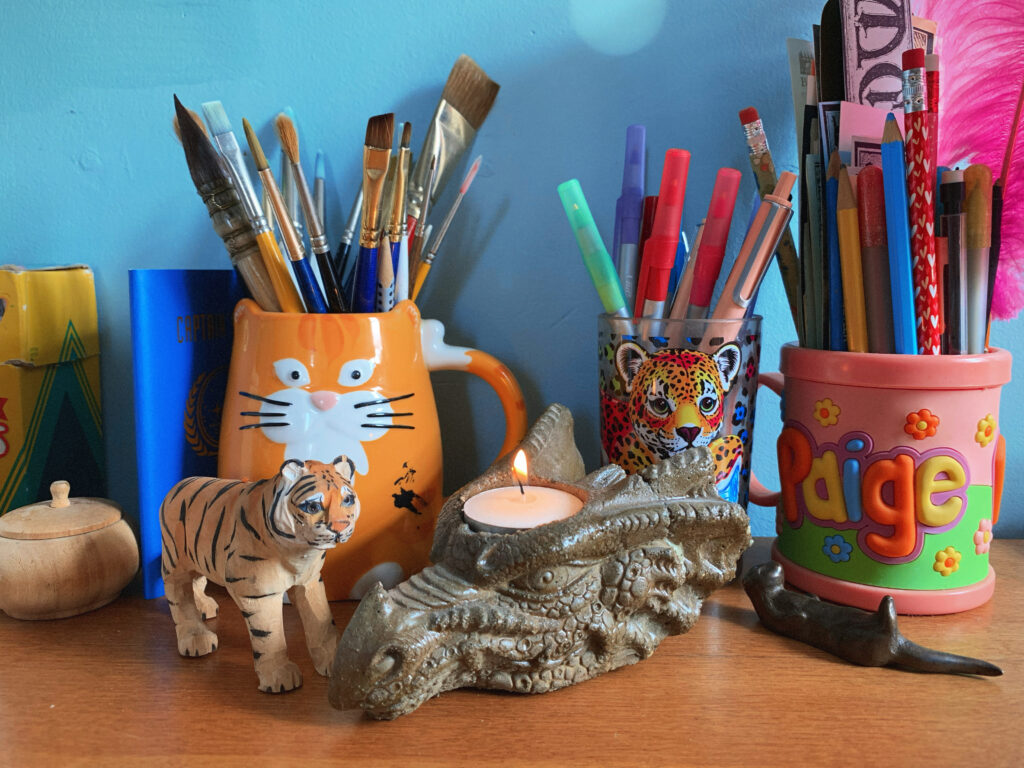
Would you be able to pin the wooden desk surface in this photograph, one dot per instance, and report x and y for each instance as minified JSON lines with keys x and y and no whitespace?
{"x":109,"y":687}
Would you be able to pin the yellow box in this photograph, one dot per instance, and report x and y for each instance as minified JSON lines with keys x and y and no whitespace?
{"x":50,"y":418}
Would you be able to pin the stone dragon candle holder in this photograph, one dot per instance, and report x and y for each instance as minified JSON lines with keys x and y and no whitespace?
{"x":540,"y":609}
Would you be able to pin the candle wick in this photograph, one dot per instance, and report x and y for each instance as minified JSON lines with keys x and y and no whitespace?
{"x":521,"y":489}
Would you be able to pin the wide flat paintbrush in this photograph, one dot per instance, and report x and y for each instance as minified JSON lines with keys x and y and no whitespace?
{"x":465,"y":103}
{"x":273,"y":260}
{"x":300,"y":264}
{"x":376,"y":157}
{"x":317,"y":239}
{"x":213,"y":183}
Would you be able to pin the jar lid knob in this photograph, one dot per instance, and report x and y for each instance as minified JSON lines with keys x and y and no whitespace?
{"x":59,"y":490}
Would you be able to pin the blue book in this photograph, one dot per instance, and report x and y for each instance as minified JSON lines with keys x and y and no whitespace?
{"x":181,"y":344}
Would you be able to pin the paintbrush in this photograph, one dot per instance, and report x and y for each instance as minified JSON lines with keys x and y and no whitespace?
{"x":376,"y":157}
{"x":319,"y":194}
{"x":224,"y":138}
{"x":428,"y":260}
{"x":216,"y":189}
{"x":397,"y":228}
{"x":311,"y":295}
{"x":317,"y":239}
{"x":465,"y":102}
{"x":289,"y":187}
{"x":416,"y":244}
{"x":345,"y":260}
{"x":195,"y":116}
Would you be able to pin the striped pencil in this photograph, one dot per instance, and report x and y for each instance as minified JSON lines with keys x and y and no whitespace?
{"x":921,"y":199}
{"x":897,"y":228}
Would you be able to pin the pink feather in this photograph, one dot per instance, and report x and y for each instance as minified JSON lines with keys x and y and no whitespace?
{"x":981,"y":45}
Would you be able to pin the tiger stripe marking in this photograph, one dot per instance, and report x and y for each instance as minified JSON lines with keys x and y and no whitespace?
{"x":284,"y":526}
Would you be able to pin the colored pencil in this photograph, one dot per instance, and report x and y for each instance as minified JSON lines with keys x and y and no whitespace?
{"x":874,"y":256}
{"x":833,"y":269}
{"x":978,"y":205}
{"x":921,"y":198}
{"x":850,"y":261}
{"x":954,"y":223}
{"x":897,"y":227}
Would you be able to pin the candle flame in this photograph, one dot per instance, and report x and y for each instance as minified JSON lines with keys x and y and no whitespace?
{"x":519,"y":465}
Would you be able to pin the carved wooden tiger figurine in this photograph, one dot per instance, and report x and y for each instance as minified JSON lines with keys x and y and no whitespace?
{"x":258,"y":540}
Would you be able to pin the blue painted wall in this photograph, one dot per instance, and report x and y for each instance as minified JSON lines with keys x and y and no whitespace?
{"x":91,"y":171}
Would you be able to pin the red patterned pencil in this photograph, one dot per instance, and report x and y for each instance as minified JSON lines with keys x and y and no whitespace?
{"x":921,"y":199}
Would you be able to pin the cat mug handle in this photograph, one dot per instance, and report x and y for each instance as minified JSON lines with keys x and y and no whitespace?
{"x":758,"y":493}
{"x":439,"y":356}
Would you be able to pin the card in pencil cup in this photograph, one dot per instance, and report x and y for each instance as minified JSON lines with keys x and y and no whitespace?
{"x":318,"y":386}
{"x":691,"y":386}
{"x":891,"y":470}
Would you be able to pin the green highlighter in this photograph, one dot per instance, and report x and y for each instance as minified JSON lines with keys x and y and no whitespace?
{"x":595,"y":255}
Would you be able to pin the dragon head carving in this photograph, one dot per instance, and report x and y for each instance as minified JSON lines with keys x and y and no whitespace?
{"x":543,"y":608}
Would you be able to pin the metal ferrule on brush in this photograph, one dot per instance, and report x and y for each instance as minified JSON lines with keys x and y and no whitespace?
{"x":375,"y":169}
{"x":397,"y":224}
{"x":317,"y":239}
{"x":349,"y":233}
{"x":228,"y":146}
{"x":914,"y":88}
{"x":449,"y":135}
{"x":756,"y":138}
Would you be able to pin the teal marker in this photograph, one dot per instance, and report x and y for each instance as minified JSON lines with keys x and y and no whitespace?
{"x":595,"y":255}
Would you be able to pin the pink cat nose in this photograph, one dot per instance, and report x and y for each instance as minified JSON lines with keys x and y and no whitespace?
{"x":324,"y":400}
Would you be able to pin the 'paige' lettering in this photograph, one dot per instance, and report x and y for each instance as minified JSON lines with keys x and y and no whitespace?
{"x":893,"y":496}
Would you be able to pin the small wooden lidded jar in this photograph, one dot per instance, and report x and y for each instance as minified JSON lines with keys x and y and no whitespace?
{"x":64,"y":557}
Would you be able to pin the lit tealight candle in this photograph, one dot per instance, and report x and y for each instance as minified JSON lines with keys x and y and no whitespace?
{"x":517,"y":507}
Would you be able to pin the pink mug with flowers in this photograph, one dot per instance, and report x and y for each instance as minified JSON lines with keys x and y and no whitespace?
{"x":891,"y":473}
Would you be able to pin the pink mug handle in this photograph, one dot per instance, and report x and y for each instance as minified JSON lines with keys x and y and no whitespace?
{"x":758,"y":493}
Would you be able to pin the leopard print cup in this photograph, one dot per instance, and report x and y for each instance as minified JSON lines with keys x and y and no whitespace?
{"x":678,"y":384}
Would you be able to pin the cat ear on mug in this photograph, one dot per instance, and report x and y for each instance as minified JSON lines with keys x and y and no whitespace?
{"x":346,"y":468}
{"x":291,"y":471}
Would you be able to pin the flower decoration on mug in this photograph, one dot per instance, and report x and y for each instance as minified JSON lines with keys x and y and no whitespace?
{"x":837,"y":548}
{"x":986,"y":431}
{"x":983,"y":536}
{"x":921,"y":424}
{"x":947,"y":561}
{"x":826,"y":412}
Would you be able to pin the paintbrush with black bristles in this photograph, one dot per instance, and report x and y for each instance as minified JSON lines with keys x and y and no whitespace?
{"x":216,"y":189}
{"x":308,"y":287}
{"x":376,"y":157}
{"x":465,"y":103}
{"x":289,"y":139}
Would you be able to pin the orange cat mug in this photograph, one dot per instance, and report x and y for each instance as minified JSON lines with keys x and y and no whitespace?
{"x":304,"y":386}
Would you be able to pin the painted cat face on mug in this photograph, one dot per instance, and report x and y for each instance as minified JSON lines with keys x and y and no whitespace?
{"x":322,"y":391}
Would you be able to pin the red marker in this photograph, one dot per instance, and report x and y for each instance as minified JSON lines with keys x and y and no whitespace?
{"x":713,"y":241}
{"x":660,"y":248}
{"x":646,"y":228}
